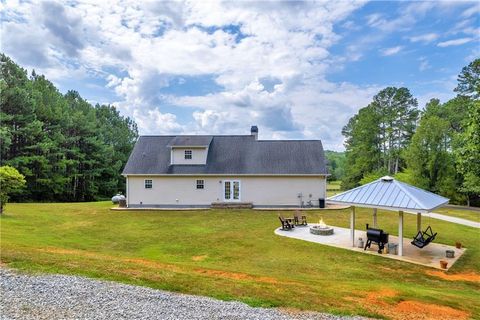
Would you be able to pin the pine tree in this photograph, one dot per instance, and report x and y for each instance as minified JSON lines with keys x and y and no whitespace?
{"x":67,"y":149}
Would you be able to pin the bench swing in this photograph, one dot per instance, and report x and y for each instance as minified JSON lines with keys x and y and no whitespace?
{"x":423,"y":238}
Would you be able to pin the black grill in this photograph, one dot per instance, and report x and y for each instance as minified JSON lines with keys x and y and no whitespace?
{"x":377,"y":236}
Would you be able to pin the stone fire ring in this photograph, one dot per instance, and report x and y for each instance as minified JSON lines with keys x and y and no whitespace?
{"x":321,"y":231}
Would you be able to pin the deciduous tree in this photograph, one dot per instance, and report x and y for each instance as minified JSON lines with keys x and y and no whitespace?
{"x":468,"y":152}
{"x":11,"y":181}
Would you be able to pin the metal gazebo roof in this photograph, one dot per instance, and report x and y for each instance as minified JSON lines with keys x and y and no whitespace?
{"x":390,"y":194}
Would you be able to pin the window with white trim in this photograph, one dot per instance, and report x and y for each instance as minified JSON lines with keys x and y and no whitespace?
{"x":188,"y":154}
{"x":200,"y":184}
{"x":148,"y":184}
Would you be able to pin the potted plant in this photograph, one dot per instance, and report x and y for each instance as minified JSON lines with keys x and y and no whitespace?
{"x":443,"y":264}
{"x":458,"y":245}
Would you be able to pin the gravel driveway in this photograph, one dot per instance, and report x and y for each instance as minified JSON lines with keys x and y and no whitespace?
{"x":71,"y":297}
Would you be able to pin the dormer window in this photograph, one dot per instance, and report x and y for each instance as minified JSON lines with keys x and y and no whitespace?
{"x":183,"y":147}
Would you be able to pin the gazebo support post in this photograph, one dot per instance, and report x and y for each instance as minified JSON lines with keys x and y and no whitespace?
{"x":400,"y":233}
{"x":352,"y":225}
{"x":374,"y":217}
{"x":419,"y":221}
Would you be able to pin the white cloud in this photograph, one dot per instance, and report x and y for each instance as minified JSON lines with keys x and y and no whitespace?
{"x":473,"y":10}
{"x":282,"y":113}
{"x":374,"y":19}
{"x":454,"y":42}
{"x":139,"y":48}
{"x":468,"y":27}
{"x":350,"y":25}
{"x":426,"y":38}
{"x":155,"y":122}
{"x":405,"y":20}
{"x":391,"y":51}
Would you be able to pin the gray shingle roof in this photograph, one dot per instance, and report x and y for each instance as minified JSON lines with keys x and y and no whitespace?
{"x":387,"y":192}
{"x":190,"y":141}
{"x":230,"y":155}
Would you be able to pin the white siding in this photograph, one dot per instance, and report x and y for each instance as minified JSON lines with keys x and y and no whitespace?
{"x":260,"y":190}
{"x":199,"y":156}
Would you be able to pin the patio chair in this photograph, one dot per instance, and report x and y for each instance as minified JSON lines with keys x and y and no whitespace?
{"x":287,"y":224}
{"x":299,"y":219}
{"x":423,"y":238}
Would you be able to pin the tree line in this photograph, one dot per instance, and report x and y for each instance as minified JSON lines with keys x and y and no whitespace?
{"x":437,"y":148}
{"x":335,"y":164}
{"x":66,"y":148}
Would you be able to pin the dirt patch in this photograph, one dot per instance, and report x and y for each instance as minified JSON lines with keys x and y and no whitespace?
{"x":375,"y":302}
{"x":71,"y":252}
{"x":199,"y":258}
{"x":425,"y":311}
{"x":134,"y":273}
{"x":377,"y":297}
{"x":153,"y":264}
{"x":471,"y":277}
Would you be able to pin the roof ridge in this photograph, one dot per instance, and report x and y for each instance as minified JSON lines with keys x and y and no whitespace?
{"x":228,"y":135}
{"x":195,"y":135}
{"x":232,"y":135}
{"x":155,"y":135}
{"x":417,"y":201}
{"x":291,"y":140}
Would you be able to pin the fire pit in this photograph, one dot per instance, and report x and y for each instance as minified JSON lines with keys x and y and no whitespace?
{"x":321,"y":229}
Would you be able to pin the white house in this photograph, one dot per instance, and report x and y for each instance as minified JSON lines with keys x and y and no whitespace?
{"x":198,"y":170}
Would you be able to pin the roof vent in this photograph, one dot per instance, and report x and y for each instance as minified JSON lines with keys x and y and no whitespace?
{"x":387,"y":179}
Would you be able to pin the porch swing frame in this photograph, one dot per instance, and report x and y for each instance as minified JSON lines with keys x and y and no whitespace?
{"x":423,"y":238}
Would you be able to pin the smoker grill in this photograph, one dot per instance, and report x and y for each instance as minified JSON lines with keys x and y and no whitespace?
{"x":377,"y":236}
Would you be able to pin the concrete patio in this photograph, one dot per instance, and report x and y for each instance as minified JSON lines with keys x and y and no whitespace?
{"x":429,"y":256}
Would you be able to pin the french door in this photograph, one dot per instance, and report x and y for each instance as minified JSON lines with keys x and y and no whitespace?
{"x":231,"y":190}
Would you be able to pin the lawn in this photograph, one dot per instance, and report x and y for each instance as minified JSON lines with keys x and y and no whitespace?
{"x":333,"y":188}
{"x":460,"y":213}
{"x":234,"y":255}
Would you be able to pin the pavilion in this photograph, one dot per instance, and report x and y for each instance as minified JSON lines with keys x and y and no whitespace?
{"x":389,"y":194}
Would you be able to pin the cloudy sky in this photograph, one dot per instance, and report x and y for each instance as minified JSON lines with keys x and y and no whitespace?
{"x":297,"y":70}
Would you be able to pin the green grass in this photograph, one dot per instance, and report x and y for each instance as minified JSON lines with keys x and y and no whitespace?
{"x":231,"y":254}
{"x":332,"y":193}
{"x":336,"y":184}
{"x":333,"y":188}
{"x":460,"y":213}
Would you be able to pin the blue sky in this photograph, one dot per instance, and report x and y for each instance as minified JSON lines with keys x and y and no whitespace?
{"x":298,"y":70}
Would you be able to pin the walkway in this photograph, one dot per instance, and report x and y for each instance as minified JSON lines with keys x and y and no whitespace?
{"x":465,"y":222}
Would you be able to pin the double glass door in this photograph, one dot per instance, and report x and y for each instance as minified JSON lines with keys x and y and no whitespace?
{"x":231,"y":190}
